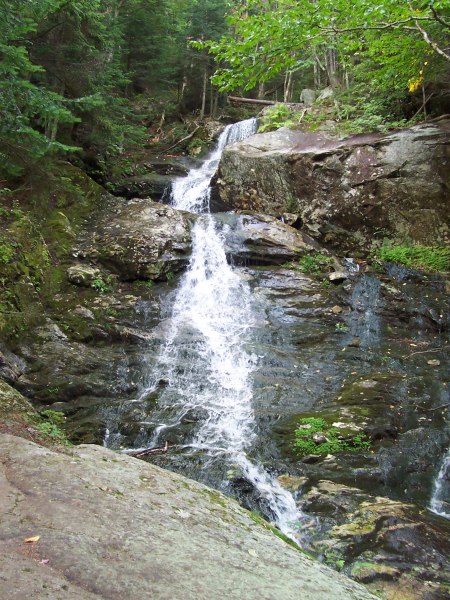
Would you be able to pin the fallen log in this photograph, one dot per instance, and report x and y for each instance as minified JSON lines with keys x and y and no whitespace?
{"x":251,"y":101}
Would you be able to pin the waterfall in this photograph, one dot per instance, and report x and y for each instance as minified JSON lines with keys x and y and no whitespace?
{"x":440,"y":499}
{"x":192,"y":193}
{"x":206,"y":364}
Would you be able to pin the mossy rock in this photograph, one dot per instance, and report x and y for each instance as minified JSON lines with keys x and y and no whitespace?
{"x":12,"y":402}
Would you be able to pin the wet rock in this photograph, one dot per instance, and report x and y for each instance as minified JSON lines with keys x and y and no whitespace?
{"x":291,"y":482}
{"x":379,"y":540}
{"x":149,"y":177}
{"x":291,"y":219}
{"x":328,"y":498}
{"x":367,"y":572}
{"x":345,"y":190}
{"x":140,"y":239}
{"x":263,"y":239}
{"x":409,"y":467}
{"x":135,"y":509}
{"x":83,"y":275}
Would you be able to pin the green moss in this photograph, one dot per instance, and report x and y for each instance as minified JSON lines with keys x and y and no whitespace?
{"x":7,"y":251}
{"x":428,"y":258}
{"x":315,"y":436}
{"x":38,"y":227}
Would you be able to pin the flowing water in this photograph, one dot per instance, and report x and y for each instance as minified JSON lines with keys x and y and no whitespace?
{"x":439,"y":501}
{"x":203,"y":378}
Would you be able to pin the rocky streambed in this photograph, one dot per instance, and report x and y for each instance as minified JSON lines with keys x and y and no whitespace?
{"x":360,"y":350}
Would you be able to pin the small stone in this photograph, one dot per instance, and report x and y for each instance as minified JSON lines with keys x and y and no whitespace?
{"x":336,"y":310}
{"x":82,"y":275}
{"x":84,"y":312}
{"x":433,"y":362}
{"x":311,"y":458}
{"x":338,"y":276}
{"x":291,"y":483}
{"x":355,"y":343}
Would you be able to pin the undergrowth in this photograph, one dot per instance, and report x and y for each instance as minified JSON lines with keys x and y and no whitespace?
{"x":278,"y":116}
{"x":314,"y":436}
{"x":427,"y":258}
{"x":49,"y":424}
{"x":314,"y":263}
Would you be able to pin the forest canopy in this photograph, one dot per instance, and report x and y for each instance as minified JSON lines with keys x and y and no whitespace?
{"x":390,"y":48}
{"x":73,"y":72}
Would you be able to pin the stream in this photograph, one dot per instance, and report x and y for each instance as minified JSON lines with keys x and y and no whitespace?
{"x":203,"y":375}
{"x":237,"y":352}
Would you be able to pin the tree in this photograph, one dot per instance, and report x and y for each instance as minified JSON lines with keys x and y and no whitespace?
{"x":389,"y":44}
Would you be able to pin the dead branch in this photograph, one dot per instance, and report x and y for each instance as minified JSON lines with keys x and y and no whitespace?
{"x":425,"y":351}
{"x":424,"y":103}
{"x":441,"y":406}
{"x":188,"y":137}
{"x":150,"y":451}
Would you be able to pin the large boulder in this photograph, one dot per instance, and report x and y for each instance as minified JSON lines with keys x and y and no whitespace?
{"x":91,"y":524}
{"x":346,"y":190}
{"x":263,"y":239}
{"x":139,"y":239}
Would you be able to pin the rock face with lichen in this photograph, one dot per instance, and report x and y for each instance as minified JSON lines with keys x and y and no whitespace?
{"x":148,"y":533}
{"x":139,"y":239}
{"x":345,"y":190}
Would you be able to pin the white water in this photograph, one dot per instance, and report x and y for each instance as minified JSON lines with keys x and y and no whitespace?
{"x":205,"y":362}
{"x":440,"y":503}
{"x":192,"y":193}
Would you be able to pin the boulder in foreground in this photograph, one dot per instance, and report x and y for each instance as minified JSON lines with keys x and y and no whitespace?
{"x":113,"y":527}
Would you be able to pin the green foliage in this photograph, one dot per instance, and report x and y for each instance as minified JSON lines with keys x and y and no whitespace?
{"x":275,"y":117}
{"x":390,"y":49}
{"x":314,"y":263}
{"x":341,"y":327}
{"x":6,"y":252}
{"x":100,"y":286}
{"x":428,"y":258}
{"x":50,"y":425}
{"x":315,"y":436}
{"x":146,"y":284}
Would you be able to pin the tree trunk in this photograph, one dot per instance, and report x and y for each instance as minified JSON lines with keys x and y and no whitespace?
{"x":288,"y":84}
{"x":331,"y":67}
{"x":261,"y":90}
{"x":205,"y":82}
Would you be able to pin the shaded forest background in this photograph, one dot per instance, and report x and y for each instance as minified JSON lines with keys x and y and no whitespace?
{"x":89,"y":79}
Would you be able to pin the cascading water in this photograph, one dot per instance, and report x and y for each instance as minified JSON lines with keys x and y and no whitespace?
{"x":440,"y":500}
{"x":192,"y":193}
{"x":205,"y":366}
